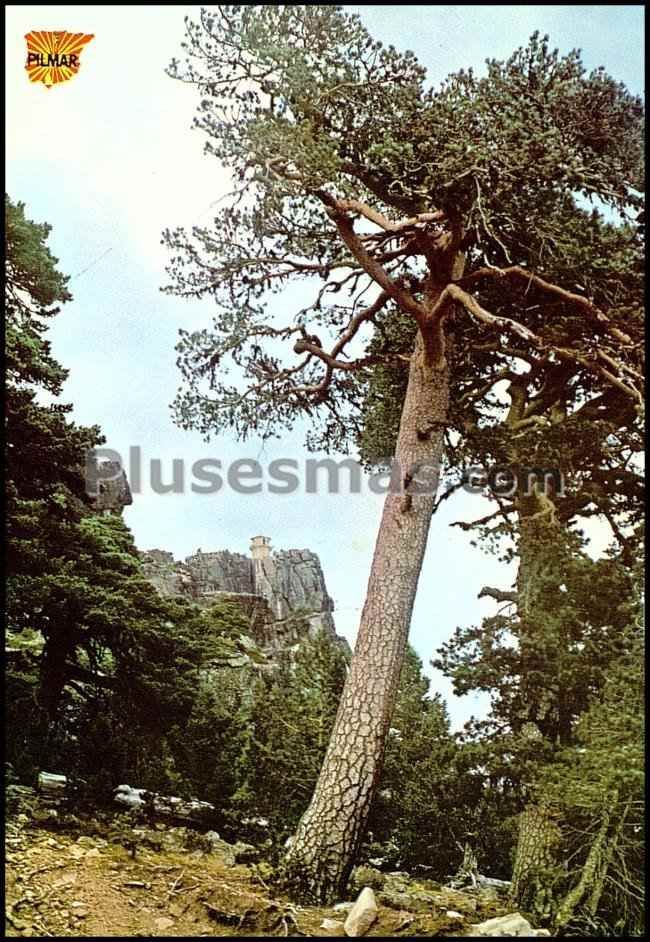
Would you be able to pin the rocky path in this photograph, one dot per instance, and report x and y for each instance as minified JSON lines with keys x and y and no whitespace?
{"x":63,"y":881}
{"x":86,"y":886}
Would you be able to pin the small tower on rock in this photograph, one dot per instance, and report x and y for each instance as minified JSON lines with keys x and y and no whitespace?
{"x":260,"y":547}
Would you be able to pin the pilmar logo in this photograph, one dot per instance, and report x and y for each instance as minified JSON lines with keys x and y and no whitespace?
{"x":53,"y":57}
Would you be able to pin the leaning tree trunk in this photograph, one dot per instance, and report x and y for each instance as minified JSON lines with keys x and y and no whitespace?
{"x":321,"y":855}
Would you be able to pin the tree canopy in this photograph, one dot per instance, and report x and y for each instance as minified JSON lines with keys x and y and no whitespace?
{"x":445,"y":229}
{"x":351,"y":173}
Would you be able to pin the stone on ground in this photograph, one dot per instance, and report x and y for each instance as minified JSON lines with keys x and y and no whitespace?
{"x":332,"y":924}
{"x":513,"y":924}
{"x":362,"y":915}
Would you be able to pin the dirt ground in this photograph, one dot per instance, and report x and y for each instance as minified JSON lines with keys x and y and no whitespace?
{"x":63,"y":884}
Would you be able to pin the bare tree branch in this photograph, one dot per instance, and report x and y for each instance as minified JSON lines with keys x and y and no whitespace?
{"x":514,"y":327}
{"x":515,"y":271}
{"x":398,"y":292}
{"x":489,"y":592}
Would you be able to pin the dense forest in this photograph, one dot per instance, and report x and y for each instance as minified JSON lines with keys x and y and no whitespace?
{"x":471,"y":260}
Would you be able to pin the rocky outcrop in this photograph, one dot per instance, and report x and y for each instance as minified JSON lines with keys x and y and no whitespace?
{"x":168,"y":577}
{"x":292,"y":582}
{"x":214,"y":573}
{"x":110,"y":486}
{"x":283,"y":593}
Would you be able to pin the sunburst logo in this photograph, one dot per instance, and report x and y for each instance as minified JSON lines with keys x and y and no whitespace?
{"x":53,"y":57}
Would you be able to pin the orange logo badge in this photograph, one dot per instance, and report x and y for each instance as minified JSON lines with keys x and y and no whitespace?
{"x":53,"y":57}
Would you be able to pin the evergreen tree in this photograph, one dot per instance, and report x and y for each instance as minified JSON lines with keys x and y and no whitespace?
{"x":45,"y":452}
{"x":98,"y":662}
{"x":430,"y":799}
{"x":542,"y":419}
{"x":139,"y":723}
{"x":292,"y":712}
{"x":598,"y":785}
{"x":455,"y":207}
{"x":544,"y":672}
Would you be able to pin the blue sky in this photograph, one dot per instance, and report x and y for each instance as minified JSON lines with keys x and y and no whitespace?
{"x":109,"y":160}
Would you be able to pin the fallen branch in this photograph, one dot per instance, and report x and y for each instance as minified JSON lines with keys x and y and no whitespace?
{"x":174,"y":884}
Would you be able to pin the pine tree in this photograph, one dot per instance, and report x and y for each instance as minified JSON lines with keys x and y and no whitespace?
{"x":101,"y":668}
{"x":442,"y":202}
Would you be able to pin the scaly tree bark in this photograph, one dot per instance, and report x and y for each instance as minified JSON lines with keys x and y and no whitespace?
{"x":325,"y":844}
{"x":348,"y":169}
{"x":536,"y":858}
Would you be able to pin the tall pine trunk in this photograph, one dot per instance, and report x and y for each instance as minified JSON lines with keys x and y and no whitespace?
{"x":322,"y":853}
{"x":539,"y":836}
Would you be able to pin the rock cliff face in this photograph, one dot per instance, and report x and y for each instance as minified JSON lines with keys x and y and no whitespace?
{"x":113,"y":491}
{"x":280,"y":591}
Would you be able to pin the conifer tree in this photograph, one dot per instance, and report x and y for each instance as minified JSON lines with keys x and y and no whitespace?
{"x":450,"y":208}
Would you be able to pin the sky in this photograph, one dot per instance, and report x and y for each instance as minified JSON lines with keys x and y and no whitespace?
{"x":109,"y":160}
